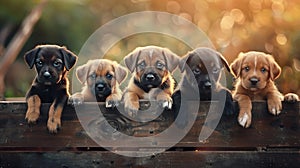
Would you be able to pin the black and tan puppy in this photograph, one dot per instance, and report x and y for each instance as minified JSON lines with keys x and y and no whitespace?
{"x":152,"y":67}
{"x":201,"y":70}
{"x":101,"y":79}
{"x":52,"y":63}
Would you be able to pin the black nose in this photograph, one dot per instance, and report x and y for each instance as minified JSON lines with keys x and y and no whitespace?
{"x":254,"y":81}
{"x":47,"y":75}
{"x":100,"y":86}
{"x":207,"y":84}
{"x":150,"y":77}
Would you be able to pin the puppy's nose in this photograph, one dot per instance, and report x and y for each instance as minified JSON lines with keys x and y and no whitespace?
{"x":254,"y":81}
{"x":47,"y":75}
{"x":100,"y":86}
{"x":207,"y":84}
{"x":150,"y":77}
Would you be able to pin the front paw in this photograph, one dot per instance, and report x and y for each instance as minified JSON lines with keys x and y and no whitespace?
{"x":76,"y":99}
{"x":274,"y":106}
{"x":111,"y":102}
{"x":166,"y":103}
{"x":33,"y":111}
{"x":32,"y":116}
{"x":291,"y":98}
{"x":53,"y":125}
{"x":244,"y":119}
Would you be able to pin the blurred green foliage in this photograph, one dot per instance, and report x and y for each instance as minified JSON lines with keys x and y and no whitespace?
{"x":233,"y":26}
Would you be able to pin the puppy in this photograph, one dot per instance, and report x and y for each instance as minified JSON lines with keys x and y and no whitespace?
{"x":152,"y":67}
{"x":201,"y":70}
{"x":255,"y":73}
{"x":101,"y":79}
{"x":51,"y":84}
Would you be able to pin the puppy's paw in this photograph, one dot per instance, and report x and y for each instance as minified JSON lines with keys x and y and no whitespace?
{"x":274,"y":106}
{"x":53,"y":125}
{"x":32,"y":116}
{"x":291,"y":97}
{"x":111,"y":102}
{"x":76,"y":99}
{"x":244,"y":119}
{"x":166,"y":103}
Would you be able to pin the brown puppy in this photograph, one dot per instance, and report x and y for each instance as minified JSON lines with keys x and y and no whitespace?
{"x":51,"y":84}
{"x":101,"y":79}
{"x":151,"y":67}
{"x":255,"y":73}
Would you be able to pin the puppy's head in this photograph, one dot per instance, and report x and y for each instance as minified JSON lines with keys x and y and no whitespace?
{"x":152,"y":65}
{"x":255,"y":69}
{"x":100,"y":76}
{"x":51,"y":62}
{"x":205,"y":65}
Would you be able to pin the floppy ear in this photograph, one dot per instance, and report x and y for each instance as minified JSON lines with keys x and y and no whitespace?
{"x":171,"y":58}
{"x":275,"y":69}
{"x":82,"y":72}
{"x":224,"y":62}
{"x":183,"y":60}
{"x":30,"y":56}
{"x":131,"y":59}
{"x":69,"y":58}
{"x":121,"y":72}
{"x":236,"y":65}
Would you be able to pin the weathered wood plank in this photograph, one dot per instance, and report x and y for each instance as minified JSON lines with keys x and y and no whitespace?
{"x":191,"y":159}
{"x":266,"y":130}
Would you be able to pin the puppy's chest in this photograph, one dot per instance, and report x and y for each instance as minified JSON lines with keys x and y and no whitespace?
{"x":152,"y":94}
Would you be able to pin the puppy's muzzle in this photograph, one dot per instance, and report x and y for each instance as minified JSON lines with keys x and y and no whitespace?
{"x":253,"y":81}
{"x":207,"y":84}
{"x":47,"y":75}
{"x":100,"y":87}
{"x":150,"y":77}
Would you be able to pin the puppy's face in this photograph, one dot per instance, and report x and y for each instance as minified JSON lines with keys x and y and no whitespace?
{"x":205,"y":66}
{"x":51,"y":63}
{"x":255,"y":69}
{"x":100,"y":76}
{"x":151,"y":64}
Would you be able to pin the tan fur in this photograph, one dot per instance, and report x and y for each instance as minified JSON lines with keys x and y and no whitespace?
{"x":33,"y":111}
{"x":264,"y":68}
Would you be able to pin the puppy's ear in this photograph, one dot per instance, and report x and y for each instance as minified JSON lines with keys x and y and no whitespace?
{"x":171,"y":58}
{"x":183,"y":61}
{"x":224,"y":62}
{"x":131,"y":59}
{"x":82,"y":72}
{"x":275,"y":69}
{"x":121,"y":72}
{"x":30,"y":56}
{"x":69,"y":58}
{"x":236,"y":65}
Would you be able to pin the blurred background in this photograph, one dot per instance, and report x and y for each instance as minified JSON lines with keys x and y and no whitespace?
{"x":233,"y":26}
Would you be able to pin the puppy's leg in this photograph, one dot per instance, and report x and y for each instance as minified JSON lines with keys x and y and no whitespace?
{"x":274,"y":102}
{"x":33,"y":111}
{"x":291,"y":97}
{"x":245,"y":105}
{"x":55,"y":111}
{"x":131,"y":103}
{"x":76,"y":99}
{"x":164,"y":99}
{"x":113,"y":99}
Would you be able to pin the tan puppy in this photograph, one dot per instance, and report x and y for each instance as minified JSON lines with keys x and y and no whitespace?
{"x":151,"y":67}
{"x":101,"y":79}
{"x":255,"y":73}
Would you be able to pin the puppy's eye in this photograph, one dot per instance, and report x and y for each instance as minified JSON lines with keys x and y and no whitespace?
{"x":215,"y":70}
{"x":247,"y":69}
{"x":39,"y":63}
{"x":196,"y":71}
{"x":263,"y":70}
{"x":142,"y":65}
{"x":57,"y":64}
{"x":93,"y":76}
{"x":160,"y":66}
{"x":109,"y":76}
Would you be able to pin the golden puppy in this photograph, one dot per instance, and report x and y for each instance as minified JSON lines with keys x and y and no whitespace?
{"x":151,"y":67}
{"x":101,"y":79}
{"x":255,"y":73}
